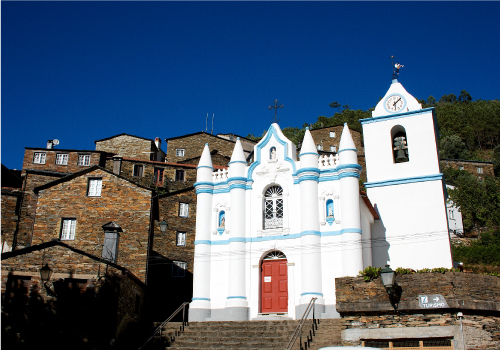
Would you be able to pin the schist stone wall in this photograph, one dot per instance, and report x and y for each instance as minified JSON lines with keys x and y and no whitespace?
{"x":11,"y":198}
{"x":23,"y":271}
{"x":127,"y":146}
{"x":50,"y":160}
{"x":121,"y":201}
{"x":193,"y":146}
{"x":470,"y":166}
{"x":31,"y":180}
{"x":169,"y":210}
{"x":324,"y":137}
{"x":367,"y":313}
{"x":169,"y":180}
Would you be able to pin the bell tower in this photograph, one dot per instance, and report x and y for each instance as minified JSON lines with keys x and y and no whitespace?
{"x":405,"y":183}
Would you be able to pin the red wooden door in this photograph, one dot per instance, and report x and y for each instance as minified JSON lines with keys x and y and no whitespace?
{"x":274,"y":286}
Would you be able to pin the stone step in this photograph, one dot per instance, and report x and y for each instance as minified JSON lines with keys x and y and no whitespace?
{"x":251,"y":335}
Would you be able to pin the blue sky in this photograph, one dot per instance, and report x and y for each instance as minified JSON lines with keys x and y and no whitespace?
{"x":84,"y":71}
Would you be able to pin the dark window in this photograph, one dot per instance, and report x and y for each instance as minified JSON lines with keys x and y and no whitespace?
{"x":179,"y":175}
{"x":138,"y":170}
{"x":158,"y":177}
{"x":178,"y":269}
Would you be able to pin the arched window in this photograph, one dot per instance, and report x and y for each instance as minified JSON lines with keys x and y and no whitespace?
{"x":399,"y":144}
{"x":273,"y":207}
{"x":274,"y":255}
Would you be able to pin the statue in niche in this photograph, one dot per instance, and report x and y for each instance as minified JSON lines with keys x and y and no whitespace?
{"x":222,"y":220}
{"x":273,"y":153}
{"x":329,"y":209}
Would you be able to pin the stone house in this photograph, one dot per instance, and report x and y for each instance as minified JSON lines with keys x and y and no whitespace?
{"x":170,"y":274}
{"x":100,"y":213}
{"x":131,"y":146}
{"x":475,"y":167}
{"x":64,"y":307}
{"x":185,"y":147}
{"x":466,"y":314}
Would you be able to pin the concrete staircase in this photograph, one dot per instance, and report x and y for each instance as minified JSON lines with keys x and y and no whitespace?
{"x":249,"y":335}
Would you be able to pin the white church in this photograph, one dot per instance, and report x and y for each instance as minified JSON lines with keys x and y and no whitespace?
{"x":272,"y":235}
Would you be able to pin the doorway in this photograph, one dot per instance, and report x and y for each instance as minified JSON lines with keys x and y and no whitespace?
{"x":274,"y":283}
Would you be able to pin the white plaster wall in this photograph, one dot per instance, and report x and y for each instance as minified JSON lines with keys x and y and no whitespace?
{"x":413,"y":222}
{"x":422,"y":149}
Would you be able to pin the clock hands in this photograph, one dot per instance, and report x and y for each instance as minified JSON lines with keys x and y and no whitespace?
{"x":394,"y":104}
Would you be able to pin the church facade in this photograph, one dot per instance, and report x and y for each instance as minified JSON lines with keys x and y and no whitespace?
{"x":272,"y":235}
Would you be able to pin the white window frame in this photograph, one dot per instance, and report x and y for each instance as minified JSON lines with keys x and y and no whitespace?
{"x":319,"y":147}
{"x":180,"y":152}
{"x":179,"y":268}
{"x":180,"y":240}
{"x":333,"y":148}
{"x":68,"y":229}
{"x":479,"y":170}
{"x":62,"y":158}
{"x":84,"y":159}
{"x":184,"y":210}
{"x":95,"y":187}
{"x":274,"y":207}
{"x":332,"y":134}
{"x":138,"y":166}
{"x":39,"y":157}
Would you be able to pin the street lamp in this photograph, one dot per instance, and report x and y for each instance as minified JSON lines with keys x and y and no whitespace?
{"x":163,"y":226}
{"x":388,"y":278}
{"x":45,"y":273}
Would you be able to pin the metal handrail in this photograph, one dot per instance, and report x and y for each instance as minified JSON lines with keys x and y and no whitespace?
{"x":160,"y":327}
{"x":298,"y":329}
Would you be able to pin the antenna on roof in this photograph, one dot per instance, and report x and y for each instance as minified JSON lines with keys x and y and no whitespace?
{"x":213,"y":116}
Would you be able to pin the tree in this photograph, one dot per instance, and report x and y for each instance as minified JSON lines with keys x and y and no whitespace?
{"x":452,"y":147}
{"x":448,"y":98}
{"x":464,"y":96}
{"x":478,"y":200}
{"x":431,"y":101}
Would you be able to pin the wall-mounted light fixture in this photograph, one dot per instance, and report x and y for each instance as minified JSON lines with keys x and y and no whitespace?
{"x":163,"y":226}
{"x":389,"y":281}
{"x":45,"y":273}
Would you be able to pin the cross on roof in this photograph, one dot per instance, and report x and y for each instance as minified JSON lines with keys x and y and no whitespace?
{"x":275,"y":107}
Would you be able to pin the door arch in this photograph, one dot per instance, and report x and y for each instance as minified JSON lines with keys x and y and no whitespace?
{"x":274,"y":283}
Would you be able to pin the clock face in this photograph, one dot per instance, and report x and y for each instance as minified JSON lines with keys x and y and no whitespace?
{"x":395,"y":103}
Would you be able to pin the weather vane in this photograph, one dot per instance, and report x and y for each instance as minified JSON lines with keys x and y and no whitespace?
{"x":275,"y":107}
{"x":395,"y":68}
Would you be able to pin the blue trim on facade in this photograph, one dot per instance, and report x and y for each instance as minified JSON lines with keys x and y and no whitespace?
{"x":394,"y":116}
{"x":237,"y":297}
{"x":270,"y":133}
{"x":349,"y":166}
{"x":348,"y":149}
{"x":311,"y":293}
{"x":349,"y":174}
{"x":204,"y":166}
{"x":436,"y":177}
{"x":306,"y":153}
{"x":238,"y":161}
{"x":204,"y":299}
{"x":278,"y":237}
{"x":304,"y":170}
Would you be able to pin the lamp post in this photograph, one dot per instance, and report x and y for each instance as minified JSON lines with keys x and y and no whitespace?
{"x":163,"y":226}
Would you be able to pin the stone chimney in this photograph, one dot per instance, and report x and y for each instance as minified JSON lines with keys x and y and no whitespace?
{"x":50,"y":144}
{"x":117,"y":164}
